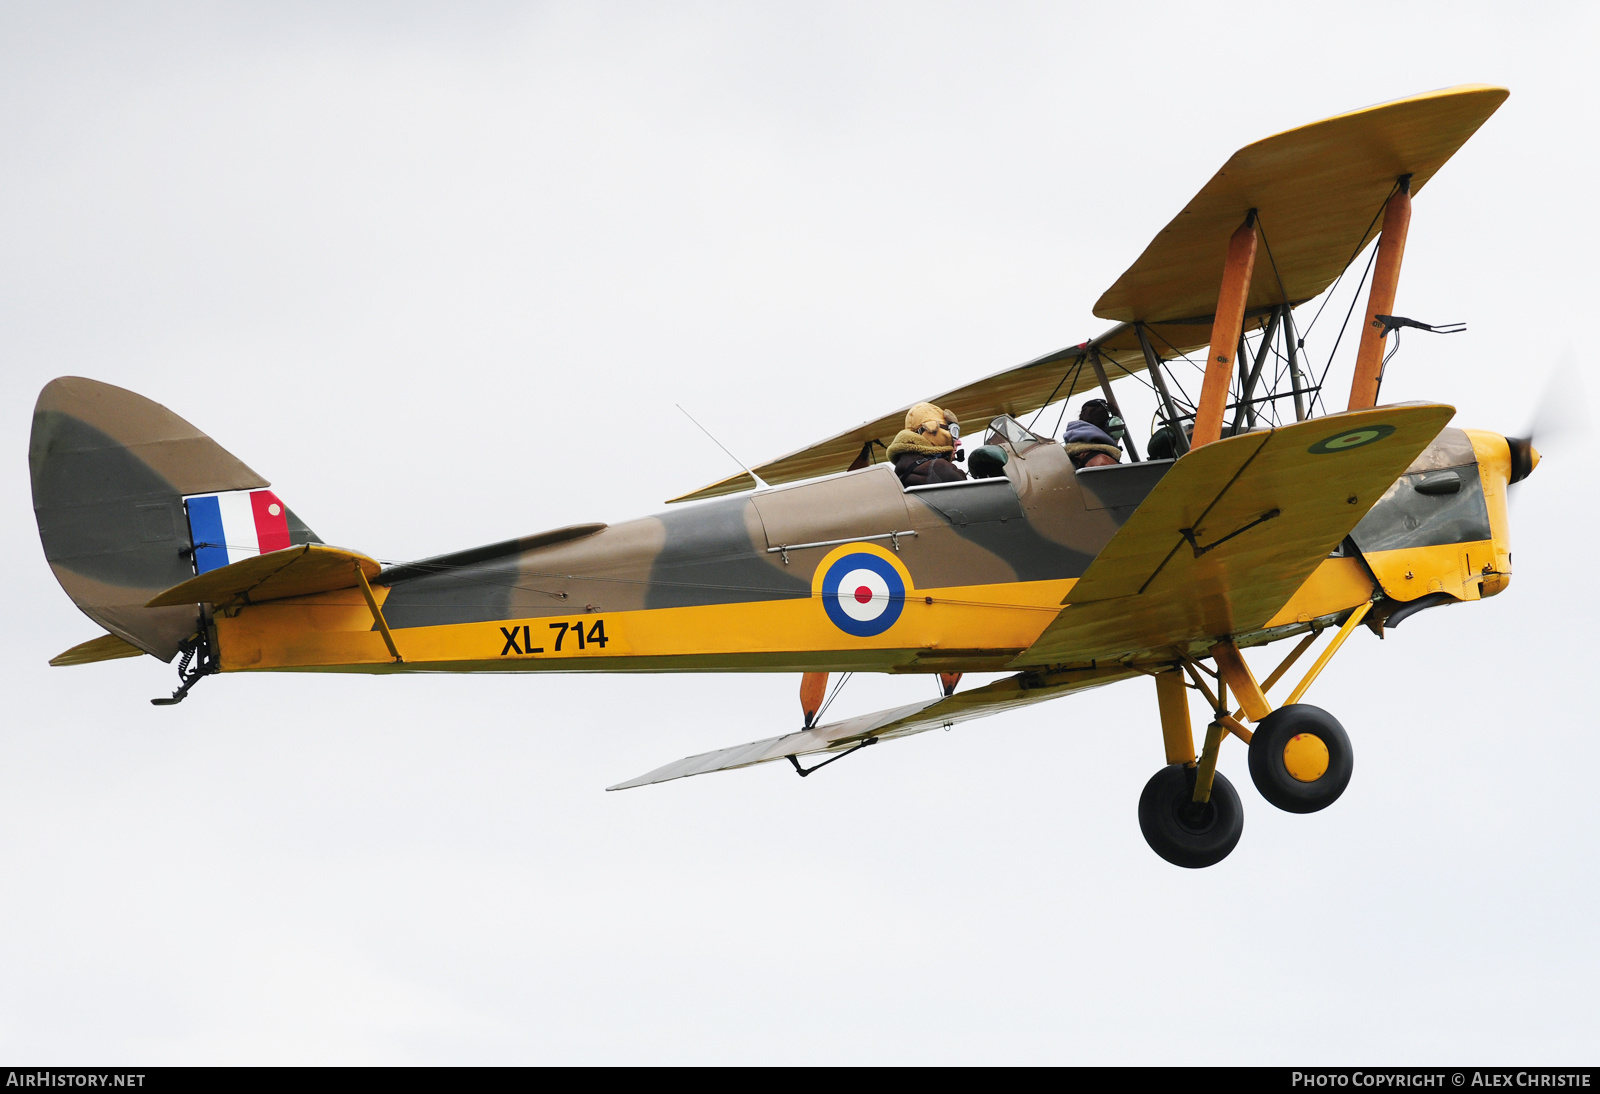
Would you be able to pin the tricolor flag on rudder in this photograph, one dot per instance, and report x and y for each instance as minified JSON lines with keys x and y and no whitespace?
{"x":235,"y":525}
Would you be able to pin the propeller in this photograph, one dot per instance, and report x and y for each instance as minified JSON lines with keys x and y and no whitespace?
{"x":1560,"y":417}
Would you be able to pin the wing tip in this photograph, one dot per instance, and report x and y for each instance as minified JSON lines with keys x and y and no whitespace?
{"x":108,"y":647}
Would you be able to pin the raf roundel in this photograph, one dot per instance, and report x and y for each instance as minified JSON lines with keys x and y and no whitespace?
{"x":1355,"y":438}
{"x":863,"y":594}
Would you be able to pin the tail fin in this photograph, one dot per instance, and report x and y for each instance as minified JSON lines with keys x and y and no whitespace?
{"x":110,"y":471}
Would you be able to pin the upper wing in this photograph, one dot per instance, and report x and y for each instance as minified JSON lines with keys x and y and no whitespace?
{"x":1317,"y":191}
{"x":1021,"y":690}
{"x":1232,"y":530}
{"x":1016,"y":391}
{"x":293,"y":571}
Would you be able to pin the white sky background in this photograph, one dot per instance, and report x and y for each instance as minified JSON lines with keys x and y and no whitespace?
{"x":440,"y":273}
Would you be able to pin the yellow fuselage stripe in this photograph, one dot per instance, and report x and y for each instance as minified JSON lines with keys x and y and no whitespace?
{"x":334,"y":630}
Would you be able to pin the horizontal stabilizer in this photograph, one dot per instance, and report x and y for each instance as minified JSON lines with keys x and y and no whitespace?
{"x":293,"y":571}
{"x":108,"y":647}
{"x":473,"y":556}
{"x":1021,"y":690}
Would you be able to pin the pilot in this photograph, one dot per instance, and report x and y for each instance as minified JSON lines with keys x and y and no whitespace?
{"x":1163,"y":443}
{"x":1091,"y":441}
{"x":928,"y":448}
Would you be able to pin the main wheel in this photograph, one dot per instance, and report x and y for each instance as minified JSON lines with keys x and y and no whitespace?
{"x":1300,"y":758}
{"x":1182,"y":832}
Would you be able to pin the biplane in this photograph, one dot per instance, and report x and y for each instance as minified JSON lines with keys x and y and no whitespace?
{"x":1275,"y":518}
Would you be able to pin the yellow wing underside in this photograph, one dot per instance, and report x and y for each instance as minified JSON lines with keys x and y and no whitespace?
{"x":1317,"y":191}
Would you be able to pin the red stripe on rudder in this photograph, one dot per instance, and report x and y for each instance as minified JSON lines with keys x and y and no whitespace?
{"x":272,"y":529}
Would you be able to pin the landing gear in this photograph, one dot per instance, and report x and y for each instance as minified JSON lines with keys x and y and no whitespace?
{"x":1300,"y":758}
{"x":1185,"y":832}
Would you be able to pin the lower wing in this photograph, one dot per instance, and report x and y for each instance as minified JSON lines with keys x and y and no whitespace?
{"x":1231,"y":531}
{"x":1023,"y":689}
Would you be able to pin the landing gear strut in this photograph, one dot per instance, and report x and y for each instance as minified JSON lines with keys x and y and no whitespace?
{"x":1300,"y":756}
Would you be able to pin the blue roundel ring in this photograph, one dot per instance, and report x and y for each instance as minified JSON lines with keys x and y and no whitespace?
{"x":863,"y":594}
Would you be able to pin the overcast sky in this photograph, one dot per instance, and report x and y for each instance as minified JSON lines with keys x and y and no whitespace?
{"x":440,"y":272}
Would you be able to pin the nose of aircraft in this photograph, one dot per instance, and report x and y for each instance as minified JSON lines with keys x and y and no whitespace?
{"x":1524,"y":457}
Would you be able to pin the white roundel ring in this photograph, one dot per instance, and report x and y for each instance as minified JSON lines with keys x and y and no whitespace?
{"x":863,"y":594}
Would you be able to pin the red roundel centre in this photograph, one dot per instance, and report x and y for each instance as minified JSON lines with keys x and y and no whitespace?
{"x":863,"y":595}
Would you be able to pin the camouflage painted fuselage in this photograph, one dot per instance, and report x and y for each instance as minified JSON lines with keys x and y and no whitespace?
{"x":739,"y":583}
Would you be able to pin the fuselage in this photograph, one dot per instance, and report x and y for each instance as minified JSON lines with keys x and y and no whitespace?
{"x":852,"y":572}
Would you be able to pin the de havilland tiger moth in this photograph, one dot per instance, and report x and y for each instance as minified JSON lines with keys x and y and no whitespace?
{"x":1270,"y":519}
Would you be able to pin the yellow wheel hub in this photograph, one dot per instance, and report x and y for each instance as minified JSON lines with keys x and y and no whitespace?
{"x":1306,"y":757}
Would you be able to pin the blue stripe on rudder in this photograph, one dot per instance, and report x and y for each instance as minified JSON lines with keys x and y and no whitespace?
{"x":205,"y":527}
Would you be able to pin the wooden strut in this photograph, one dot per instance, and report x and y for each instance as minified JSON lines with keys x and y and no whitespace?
{"x":813,"y":685}
{"x":1226,"y":330}
{"x":377,"y":614}
{"x":1380,"y":300}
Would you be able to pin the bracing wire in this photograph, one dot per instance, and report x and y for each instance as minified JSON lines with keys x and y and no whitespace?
{"x":832,"y":695}
{"x":1354,"y":298}
{"x":1365,"y":238}
{"x":1065,"y":403}
{"x":1073,"y":372}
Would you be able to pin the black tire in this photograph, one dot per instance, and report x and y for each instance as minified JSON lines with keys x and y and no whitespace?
{"x":1270,"y":772}
{"x":1183,"y":833}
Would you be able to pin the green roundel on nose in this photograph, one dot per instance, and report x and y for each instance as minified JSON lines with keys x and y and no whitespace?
{"x":1355,"y":438}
